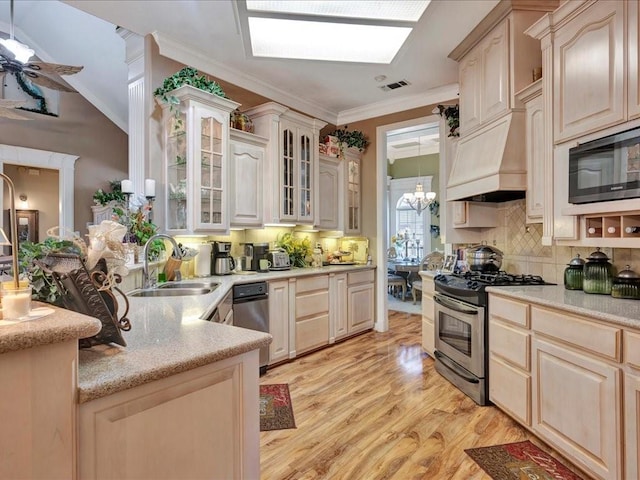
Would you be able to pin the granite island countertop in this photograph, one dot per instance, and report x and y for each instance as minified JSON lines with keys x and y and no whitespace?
{"x":170,"y":335}
{"x":58,"y":325}
{"x":601,"y":307}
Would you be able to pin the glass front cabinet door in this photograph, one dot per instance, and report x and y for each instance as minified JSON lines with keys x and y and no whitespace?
{"x":196,"y":156}
{"x":297,"y":164}
{"x":353,"y":162}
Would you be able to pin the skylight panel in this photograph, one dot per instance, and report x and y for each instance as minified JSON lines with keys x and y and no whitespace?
{"x":406,"y":10}
{"x":271,"y":37}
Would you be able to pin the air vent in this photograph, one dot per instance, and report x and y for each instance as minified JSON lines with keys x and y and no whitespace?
{"x":395,"y":85}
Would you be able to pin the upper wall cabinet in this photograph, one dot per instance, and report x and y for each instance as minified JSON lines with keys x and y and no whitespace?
{"x":291,"y":167}
{"x":589,"y":58}
{"x":246,"y":203}
{"x":634,"y":59}
{"x":497,"y":60}
{"x":352,"y":192}
{"x":196,"y":159}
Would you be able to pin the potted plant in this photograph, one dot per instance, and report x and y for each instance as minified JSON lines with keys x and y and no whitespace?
{"x":297,"y":248}
{"x":186,"y":76}
{"x":451,"y":114}
{"x":115,"y":196}
{"x":353,"y":138}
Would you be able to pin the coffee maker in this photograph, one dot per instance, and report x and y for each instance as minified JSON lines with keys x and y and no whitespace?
{"x":221,"y":262}
{"x":260,"y":252}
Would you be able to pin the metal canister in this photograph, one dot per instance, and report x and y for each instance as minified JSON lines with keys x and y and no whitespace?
{"x":598,"y":274}
{"x":574,"y":273}
{"x":626,"y":284}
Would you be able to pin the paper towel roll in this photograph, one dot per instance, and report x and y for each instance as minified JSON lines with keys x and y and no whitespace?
{"x":202,"y":267}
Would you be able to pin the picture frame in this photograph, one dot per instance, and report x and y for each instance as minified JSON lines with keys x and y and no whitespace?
{"x":27,"y":226}
{"x":449,"y":264}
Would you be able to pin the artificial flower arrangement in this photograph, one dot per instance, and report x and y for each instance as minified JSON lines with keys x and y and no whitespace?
{"x":299,"y":249}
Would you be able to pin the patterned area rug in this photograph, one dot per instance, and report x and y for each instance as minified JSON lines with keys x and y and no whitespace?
{"x":276,"y":412}
{"x":522,"y":460}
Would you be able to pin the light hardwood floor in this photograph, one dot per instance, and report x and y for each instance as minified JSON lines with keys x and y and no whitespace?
{"x":373,"y":407}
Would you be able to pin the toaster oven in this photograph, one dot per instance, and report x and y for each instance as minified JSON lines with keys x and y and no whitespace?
{"x":279,"y":261}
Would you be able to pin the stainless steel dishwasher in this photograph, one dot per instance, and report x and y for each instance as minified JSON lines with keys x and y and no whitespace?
{"x":251,"y":310}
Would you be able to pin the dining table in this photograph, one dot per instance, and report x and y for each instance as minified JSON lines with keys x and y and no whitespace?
{"x":410,"y":267}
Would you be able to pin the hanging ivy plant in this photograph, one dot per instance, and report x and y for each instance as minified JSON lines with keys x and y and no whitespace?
{"x":354,"y":138}
{"x":452,"y":115}
{"x":186,"y":76}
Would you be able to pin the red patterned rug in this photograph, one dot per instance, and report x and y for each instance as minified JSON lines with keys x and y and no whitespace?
{"x":276,"y":412}
{"x":515,"y":461}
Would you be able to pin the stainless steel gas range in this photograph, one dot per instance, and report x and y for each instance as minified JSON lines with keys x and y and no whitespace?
{"x":462,"y":327}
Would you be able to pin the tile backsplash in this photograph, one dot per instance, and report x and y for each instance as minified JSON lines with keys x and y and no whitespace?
{"x":524,"y":253}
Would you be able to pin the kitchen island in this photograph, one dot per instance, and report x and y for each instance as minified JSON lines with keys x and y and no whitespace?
{"x":180,"y":384}
{"x":566,"y":365}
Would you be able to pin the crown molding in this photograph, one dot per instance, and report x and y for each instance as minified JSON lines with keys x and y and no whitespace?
{"x":172,"y":49}
{"x":398,"y":104}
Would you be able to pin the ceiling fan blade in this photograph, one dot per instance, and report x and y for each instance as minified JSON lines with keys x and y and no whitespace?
{"x":12,"y":114}
{"x":11,"y":103}
{"x":47,"y":82}
{"x":52,"y":68}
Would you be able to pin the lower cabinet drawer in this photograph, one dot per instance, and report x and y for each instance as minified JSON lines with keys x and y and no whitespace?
{"x":312,"y":304}
{"x":366,"y":276}
{"x":510,"y":343}
{"x":312,"y":333}
{"x":510,"y":389}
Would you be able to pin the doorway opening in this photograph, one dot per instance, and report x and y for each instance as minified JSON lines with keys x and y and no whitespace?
{"x":401,"y":141}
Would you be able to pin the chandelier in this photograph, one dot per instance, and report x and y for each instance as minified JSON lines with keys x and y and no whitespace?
{"x":419,"y":200}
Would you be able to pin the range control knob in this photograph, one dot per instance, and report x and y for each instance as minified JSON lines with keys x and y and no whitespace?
{"x":474,"y":285}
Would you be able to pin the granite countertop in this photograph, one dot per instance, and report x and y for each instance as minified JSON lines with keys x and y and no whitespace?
{"x":602,"y":307}
{"x":58,"y":326}
{"x":169,"y":336}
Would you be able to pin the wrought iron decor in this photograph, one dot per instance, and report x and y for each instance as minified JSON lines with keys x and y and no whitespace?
{"x":88,"y":292}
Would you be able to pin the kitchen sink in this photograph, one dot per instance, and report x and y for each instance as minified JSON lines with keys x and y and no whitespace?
{"x":188,"y":284}
{"x":171,"y":292}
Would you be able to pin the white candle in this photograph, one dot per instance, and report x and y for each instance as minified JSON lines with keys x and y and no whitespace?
{"x":16,"y":305}
{"x":149,"y":187}
{"x":126,"y":186}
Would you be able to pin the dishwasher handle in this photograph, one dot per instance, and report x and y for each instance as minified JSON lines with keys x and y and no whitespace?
{"x":252,"y":298}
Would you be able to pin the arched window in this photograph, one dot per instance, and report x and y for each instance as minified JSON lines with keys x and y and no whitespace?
{"x":403,"y":219}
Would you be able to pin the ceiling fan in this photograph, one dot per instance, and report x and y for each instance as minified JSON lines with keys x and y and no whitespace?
{"x":14,"y":59}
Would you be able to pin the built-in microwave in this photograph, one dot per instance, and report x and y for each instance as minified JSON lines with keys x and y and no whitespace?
{"x":605,"y":169}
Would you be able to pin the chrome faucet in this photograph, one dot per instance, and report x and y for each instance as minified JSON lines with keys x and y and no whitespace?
{"x":146,"y":281}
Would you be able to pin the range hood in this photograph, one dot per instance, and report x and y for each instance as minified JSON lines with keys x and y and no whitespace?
{"x":490,"y":163}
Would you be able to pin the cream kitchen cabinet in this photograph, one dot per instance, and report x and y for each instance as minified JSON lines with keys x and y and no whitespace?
{"x":202,"y":423}
{"x":428,"y":315}
{"x":338,"y":306}
{"x":311,"y":313}
{"x":532,"y":99}
{"x":560,"y":375}
{"x":196,"y":162}
{"x":246,"y":168}
{"x":633,"y":15}
{"x":360,"y":301}
{"x":484,"y":79}
{"x":474,"y":214}
{"x":279,"y":321}
{"x":589,"y":67}
{"x":352,"y":192}
{"x":291,"y":167}
{"x":632,"y":404}
{"x":330,"y":198}
{"x":495,"y":61}
{"x":510,"y":357}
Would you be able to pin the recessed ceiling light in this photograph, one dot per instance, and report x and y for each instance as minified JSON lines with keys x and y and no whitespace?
{"x":280,"y":38}
{"x":380,"y":78}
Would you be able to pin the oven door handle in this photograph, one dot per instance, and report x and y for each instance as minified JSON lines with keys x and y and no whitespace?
{"x":454,"y":368}
{"x":454,"y":306}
